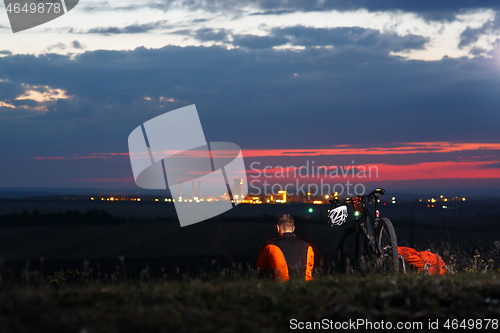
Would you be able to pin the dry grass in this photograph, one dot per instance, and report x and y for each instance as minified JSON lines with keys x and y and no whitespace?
{"x":246,"y":305}
{"x":236,"y":300}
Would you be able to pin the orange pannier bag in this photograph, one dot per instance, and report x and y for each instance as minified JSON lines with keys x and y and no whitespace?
{"x":423,"y":261}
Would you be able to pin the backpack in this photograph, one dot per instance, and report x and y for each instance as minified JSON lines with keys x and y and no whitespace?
{"x":423,"y":261}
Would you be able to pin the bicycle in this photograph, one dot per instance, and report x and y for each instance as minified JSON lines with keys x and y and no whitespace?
{"x":369,"y":245}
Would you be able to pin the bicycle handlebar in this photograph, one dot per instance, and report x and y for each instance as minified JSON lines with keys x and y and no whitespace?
{"x":375,"y":194}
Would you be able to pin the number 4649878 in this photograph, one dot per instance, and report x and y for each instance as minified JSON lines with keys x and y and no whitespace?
{"x":471,"y":324}
{"x":32,"y":8}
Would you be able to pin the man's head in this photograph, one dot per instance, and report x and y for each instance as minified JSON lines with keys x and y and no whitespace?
{"x":285,"y":223}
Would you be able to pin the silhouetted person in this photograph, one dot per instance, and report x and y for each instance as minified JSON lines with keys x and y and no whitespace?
{"x":286,"y":255}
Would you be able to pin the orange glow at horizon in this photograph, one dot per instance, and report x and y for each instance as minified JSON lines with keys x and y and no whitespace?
{"x":387,"y":172}
{"x":403,"y":148}
{"x":469,"y":168}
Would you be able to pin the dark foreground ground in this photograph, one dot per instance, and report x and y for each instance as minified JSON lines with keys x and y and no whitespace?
{"x":124,"y":268}
{"x":417,"y":303}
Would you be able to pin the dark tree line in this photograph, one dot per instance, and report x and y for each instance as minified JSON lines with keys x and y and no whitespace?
{"x":35,"y":218}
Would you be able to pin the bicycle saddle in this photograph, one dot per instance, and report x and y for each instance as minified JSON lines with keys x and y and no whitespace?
{"x":377,"y":192}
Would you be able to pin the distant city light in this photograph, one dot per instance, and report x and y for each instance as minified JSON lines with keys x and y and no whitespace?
{"x":283,"y":196}
{"x":440,"y":201}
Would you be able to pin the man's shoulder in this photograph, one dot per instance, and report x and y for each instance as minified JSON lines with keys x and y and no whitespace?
{"x":303,"y":241}
{"x":271,"y":241}
{"x":293,"y":239}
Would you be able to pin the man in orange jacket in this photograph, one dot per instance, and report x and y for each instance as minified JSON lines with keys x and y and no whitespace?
{"x":287,"y":255}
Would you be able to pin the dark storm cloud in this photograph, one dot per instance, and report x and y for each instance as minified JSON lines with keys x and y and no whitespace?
{"x":434,"y":10}
{"x":413,"y":5}
{"x":257,"y":98}
{"x":353,"y":36}
{"x":306,"y":36}
{"x":102,"y":6}
{"x":407,"y":5}
{"x":208,"y":5}
{"x":131,"y":29}
{"x":76,"y":44}
{"x":471,"y":35}
{"x":208,"y":34}
{"x":9,"y":90}
{"x":258,"y":42}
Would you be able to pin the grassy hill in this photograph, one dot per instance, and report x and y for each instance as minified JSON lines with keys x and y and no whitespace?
{"x":248,"y":304}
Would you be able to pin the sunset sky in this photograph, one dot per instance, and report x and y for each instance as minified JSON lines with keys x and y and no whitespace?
{"x":409,"y":87}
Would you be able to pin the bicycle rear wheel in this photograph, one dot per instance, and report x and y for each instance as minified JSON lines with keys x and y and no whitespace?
{"x":387,"y":245}
{"x":353,"y":252}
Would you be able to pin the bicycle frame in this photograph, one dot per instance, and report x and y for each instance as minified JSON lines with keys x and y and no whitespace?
{"x":367,"y":216}
{"x":364,"y":224}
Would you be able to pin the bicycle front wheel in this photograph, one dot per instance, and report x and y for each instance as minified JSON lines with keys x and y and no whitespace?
{"x":353,"y":252}
{"x":387,"y":246}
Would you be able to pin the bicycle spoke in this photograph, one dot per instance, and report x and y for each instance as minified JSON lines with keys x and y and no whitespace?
{"x":388,"y":260}
{"x":353,"y":253}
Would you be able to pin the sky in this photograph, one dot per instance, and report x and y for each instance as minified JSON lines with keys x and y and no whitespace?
{"x":408,"y":88}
